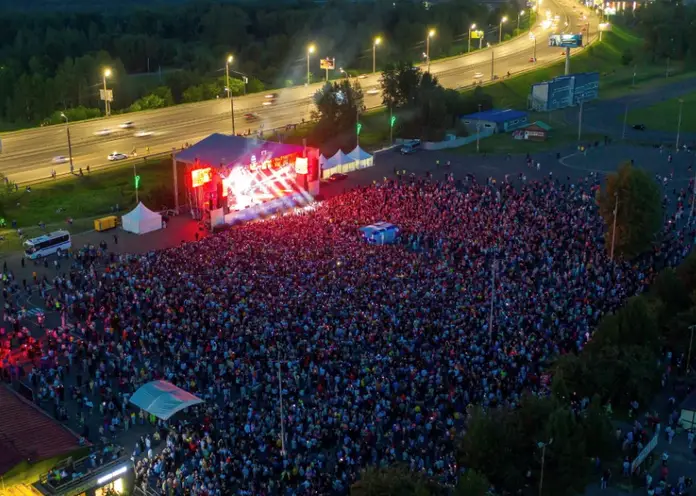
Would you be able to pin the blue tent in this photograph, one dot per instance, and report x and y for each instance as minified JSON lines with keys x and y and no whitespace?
{"x":380,"y":233}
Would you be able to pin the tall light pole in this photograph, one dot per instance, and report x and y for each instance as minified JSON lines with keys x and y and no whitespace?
{"x":107,"y":106}
{"x":613,"y":228}
{"x":310,"y":50}
{"x":431,"y":33}
{"x":688,"y":357}
{"x":471,"y":28}
{"x":500,"y":29}
{"x":580,"y":120}
{"x":376,"y":42}
{"x":520,"y":14}
{"x":67,"y":130}
{"x":542,"y":447}
{"x":533,"y":52}
{"x":229,"y":60}
{"x":681,"y":106}
{"x":623,"y":131}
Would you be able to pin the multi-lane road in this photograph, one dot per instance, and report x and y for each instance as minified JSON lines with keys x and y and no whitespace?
{"x":28,"y":155}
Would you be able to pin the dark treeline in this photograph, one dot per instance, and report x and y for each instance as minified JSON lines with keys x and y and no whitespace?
{"x":52,"y":61}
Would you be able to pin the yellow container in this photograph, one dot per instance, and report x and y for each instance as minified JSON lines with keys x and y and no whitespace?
{"x":105,"y":223}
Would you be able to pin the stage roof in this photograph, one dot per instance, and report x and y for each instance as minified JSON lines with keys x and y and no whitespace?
{"x":163,"y":399}
{"x":221,"y":149}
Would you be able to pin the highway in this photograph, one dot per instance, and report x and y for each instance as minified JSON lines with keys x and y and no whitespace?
{"x":27,"y":155}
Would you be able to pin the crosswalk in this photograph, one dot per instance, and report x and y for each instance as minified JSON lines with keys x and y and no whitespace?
{"x":32,"y":312}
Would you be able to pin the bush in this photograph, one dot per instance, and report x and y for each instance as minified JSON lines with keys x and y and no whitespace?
{"x":626,"y":57}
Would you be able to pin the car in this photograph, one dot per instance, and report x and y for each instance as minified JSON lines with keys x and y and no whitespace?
{"x":271,"y":96}
{"x":362,"y":76}
{"x":373,"y":91}
{"x":532,"y":59}
{"x":117,"y":156}
{"x":127,"y":125}
{"x":338,"y":177}
{"x":251,"y":117}
{"x":142,"y":134}
{"x":267,"y":103}
{"x":478,"y":75}
{"x":639,"y":127}
{"x":60,"y":159}
{"x":103,"y":132}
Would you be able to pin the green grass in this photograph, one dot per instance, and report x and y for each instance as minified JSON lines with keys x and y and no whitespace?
{"x":664,"y":116}
{"x":83,"y":199}
{"x":28,"y":473}
{"x":603,"y":57}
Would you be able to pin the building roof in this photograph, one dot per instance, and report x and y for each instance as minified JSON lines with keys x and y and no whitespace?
{"x":26,"y":433}
{"x":541,"y":125}
{"x":222,"y":149}
{"x":497,"y":116}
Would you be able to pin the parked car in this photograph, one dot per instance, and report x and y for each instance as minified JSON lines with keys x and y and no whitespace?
{"x":117,"y":156}
{"x":410,"y":147}
{"x":639,"y":127}
{"x":338,"y":177}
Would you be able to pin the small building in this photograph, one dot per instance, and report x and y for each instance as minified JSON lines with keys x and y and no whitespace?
{"x":499,"y":121}
{"x":536,"y":131}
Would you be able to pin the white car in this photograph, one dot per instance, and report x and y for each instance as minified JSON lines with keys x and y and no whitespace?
{"x":142,"y":134}
{"x":127,"y":125}
{"x":478,"y":75}
{"x":117,"y":156}
{"x":267,"y":103}
{"x":373,"y":91}
{"x":103,"y":132}
{"x":60,"y":159}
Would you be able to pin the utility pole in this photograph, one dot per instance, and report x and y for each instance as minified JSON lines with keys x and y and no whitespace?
{"x":567,"y":61}
{"x":492,"y":64}
{"x":478,"y":131}
{"x":679,"y":121}
{"x":229,"y":90}
{"x":580,"y":121}
{"x":490,"y":317}
{"x":67,"y":130}
{"x":693,"y":199}
{"x":282,"y":418}
{"x":691,"y":342}
{"x":613,"y":229}
{"x":623,"y":132}
{"x":543,"y":460}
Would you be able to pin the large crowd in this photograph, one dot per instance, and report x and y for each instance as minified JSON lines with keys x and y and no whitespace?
{"x":377,"y":351}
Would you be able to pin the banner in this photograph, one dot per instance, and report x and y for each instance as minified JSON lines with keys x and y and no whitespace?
{"x":565,"y":40}
{"x":106,"y":95}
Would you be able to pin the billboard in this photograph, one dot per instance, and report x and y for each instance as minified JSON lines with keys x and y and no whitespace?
{"x":476,"y":35}
{"x":106,"y":95}
{"x":565,"y":40}
{"x":564,"y":91}
{"x":586,"y":87}
{"x":328,"y":63}
{"x":199,"y":177}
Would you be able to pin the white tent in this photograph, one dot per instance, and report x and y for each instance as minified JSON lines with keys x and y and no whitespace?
{"x":141,"y":220}
{"x":363,"y":158}
{"x":163,"y":399}
{"x":340,"y":162}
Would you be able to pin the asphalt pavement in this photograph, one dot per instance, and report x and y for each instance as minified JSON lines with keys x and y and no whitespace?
{"x":27,"y":155}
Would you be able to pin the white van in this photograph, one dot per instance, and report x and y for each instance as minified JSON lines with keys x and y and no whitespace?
{"x":410,"y":147}
{"x":48,"y":244}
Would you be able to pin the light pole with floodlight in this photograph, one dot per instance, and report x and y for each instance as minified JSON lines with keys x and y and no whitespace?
{"x":431,"y":33}
{"x":310,"y":50}
{"x":67,"y":130}
{"x":376,"y":42}
{"x":500,"y":29}
{"x":229,"y":60}
{"x":107,"y":106}
{"x":520,"y":14}
{"x":472,"y":27}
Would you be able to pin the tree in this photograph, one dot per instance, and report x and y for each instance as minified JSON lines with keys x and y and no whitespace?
{"x":394,"y":481}
{"x":639,"y":212}
{"x":472,"y":483}
{"x":337,"y":108}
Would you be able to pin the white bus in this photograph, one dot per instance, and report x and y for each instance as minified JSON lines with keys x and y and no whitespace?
{"x":48,"y":244}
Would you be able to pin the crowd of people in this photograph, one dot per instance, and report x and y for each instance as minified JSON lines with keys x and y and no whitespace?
{"x":318,"y":354}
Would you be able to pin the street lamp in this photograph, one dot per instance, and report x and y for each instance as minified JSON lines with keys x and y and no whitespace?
{"x":431,"y":33}
{"x":471,"y":28}
{"x":500,"y":29}
{"x":521,"y":13}
{"x":343,"y":71}
{"x":679,"y":121}
{"x":107,"y":106}
{"x":310,"y":50}
{"x":229,"y":60}
{"x":67,"y":130}
{"x":376,"y":42}
{"x":534,"y":52}
{"x":542,"y":447}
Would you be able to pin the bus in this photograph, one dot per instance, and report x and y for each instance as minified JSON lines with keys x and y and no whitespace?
{"x":48,"y":244}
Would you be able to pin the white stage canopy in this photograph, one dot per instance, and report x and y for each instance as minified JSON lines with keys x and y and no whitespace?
{"x":163,"y":399}
{"x":141,"y":220}
{"x":363,"y":158}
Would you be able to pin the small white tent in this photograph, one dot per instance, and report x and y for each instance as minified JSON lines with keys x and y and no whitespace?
{"x":338,"y":163}
{"x":363,"y":158}
{"x":141,"y":220}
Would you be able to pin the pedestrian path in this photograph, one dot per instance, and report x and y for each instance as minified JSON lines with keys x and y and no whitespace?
{"x":32,"y":312}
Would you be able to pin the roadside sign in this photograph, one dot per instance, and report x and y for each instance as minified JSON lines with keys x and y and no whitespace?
{"x":475,"y":35}
{"x":328,"y":64}
{"x":106,"y":95}
{"x":565,"y":40}
{"x":0,"y":146}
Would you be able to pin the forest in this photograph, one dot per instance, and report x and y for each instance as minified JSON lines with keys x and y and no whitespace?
{"x":52,"y":61}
